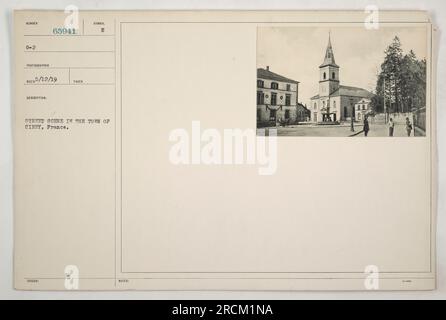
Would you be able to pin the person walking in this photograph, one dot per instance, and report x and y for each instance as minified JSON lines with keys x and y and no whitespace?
{"x":408,"y":127}
{"x":391,"y":125}
{"x":366,"y":126}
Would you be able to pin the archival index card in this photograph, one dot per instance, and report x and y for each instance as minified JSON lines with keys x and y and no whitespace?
{"x":224,"y":150}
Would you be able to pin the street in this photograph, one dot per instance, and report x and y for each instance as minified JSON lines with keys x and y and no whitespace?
{"x":376,"y":130}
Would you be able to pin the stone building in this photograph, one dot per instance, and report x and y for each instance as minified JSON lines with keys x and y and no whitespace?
{"x":277,"y":99}
{"x":334,"y":102}
{"x":362,"y":107}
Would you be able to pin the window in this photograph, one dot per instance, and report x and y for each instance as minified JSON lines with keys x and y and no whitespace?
{"x":325,"y":76}
{"x":259,"y":114}
{"x":274,"y":85}
{"x":288,"y":99}
{"x":260,"y":83}
{"x":323,"y":104}
{"x":260,"y":97}
{"x":333,"y":75}
{"x":358,"y":107}
{"x":363,"y":107}
{"x":334,"y":104}
{"x":288,"y":87}
{"x":273,"y":98}
{"x":287,"y":114}
{"x":315,"y":106}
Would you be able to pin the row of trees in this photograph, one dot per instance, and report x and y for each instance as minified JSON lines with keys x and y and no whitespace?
{"x":401,"y":83}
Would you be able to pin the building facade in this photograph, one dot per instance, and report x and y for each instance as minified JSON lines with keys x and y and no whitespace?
{"x":277,"y":99}
{"x":334,"y":102}
{"x":362,"y":108}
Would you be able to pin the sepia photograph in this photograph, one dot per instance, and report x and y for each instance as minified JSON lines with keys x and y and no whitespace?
{"x":342,"y":81}
{"x":135,"y":164}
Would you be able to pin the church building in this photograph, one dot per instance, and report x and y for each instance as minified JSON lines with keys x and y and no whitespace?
{"x":334,"y":102}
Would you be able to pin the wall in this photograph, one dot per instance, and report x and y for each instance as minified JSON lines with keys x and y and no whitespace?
{"x":262,"y":110}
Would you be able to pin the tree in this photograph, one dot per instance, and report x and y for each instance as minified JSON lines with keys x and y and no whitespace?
{"x":401,"y":82}
{"x":391,"y":71}
{"x":413,"y":82}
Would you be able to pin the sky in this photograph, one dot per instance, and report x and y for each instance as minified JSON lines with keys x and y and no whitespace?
{"x":297,"y":52}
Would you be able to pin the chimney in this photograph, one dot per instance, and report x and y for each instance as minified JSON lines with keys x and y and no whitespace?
{"x":267,"y":68}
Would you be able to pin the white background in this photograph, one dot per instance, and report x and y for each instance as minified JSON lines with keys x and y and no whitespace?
{"x":437,"y":9}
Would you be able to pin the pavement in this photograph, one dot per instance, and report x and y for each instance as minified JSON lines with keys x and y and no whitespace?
{"x":382,"y":130}
{"x":376,"y":130}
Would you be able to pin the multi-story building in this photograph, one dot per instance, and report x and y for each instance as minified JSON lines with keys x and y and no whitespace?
{"x":277,"y":98}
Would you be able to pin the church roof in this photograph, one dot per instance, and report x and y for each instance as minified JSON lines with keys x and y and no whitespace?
{"x":266,"y":74}
{"x":329,"y":59}
{"x":349,"y":91}
{"x":352,"y":92}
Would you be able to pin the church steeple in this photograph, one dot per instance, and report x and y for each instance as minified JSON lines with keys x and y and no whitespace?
{"x":328,"y":72}
{"x":329,"y":59}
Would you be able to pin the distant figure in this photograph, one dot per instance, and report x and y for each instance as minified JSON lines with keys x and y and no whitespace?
{"x":366,"y":126}
{"x":391,"y":126}
{"x":408,"y":127}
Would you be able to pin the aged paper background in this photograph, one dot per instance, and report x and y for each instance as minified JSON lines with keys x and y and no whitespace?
{"x":209,"y":219}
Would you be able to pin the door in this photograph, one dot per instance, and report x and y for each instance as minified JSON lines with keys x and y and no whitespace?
{"x":272,"y":115}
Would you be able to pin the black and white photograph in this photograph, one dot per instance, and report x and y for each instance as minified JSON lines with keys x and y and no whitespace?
{"x":342,"y":81}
